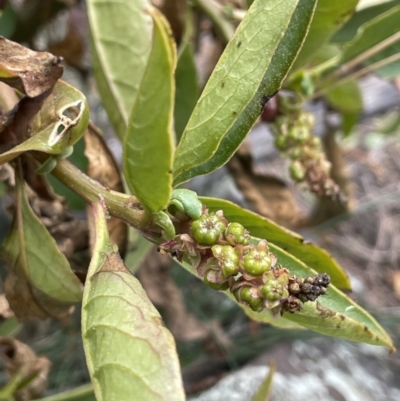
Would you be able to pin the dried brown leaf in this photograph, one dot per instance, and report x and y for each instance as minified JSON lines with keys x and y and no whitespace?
{"x":32,"y":73}
{"x":30,"y":304}
{"x":20,"y":359}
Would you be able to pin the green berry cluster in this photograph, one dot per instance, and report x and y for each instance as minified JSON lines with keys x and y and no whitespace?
{"x":293,"y":136}
{"x":225,"y":258}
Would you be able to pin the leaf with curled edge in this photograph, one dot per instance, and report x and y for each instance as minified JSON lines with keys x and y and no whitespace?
{"x":128,"y":350}
{"x":121,"y":33}
{"x":55,"y":127}
{"x":293,"y":243}
{"x":41,"y":282}
{"x":248,"y":74}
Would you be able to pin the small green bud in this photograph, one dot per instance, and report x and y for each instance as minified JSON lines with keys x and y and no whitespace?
{"x":297,"y":171}
{"x":186,"y":202}
{"x":257,"y":262}
{"x":316,"y":143}
{"x":281,"y":142}
{"x":227,"y":259}
{"x":307,"y":119}
{"x":212,"y":279}
{"x":299,"y":134}
{"x":207,"y":229}
{"x":237,"y":234}
{"x":295,"y":153}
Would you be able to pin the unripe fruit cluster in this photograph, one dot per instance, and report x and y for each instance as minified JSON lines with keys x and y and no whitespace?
{"x":308,"y":162}
{"x":223,"y":256}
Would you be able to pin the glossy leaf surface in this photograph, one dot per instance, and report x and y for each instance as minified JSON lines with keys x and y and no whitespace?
{"x":249,"y":72}
{"x":121,"y":33}
{"x":55,"y":127}
{"x":293,"y":243}
{"x":47,"y":276}
{"x":128,"y":349}
{"x":329,"y":16}
{"x":149,"y":142}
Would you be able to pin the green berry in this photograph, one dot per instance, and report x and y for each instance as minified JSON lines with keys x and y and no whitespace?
{"x":227,"y":259}
{"x":212,"y":279}
{"x":207,"y":229}
{"x":297,"y":171}
{"x":246,"y":295}
{"x":273,"y":291}
{"x":295,"y":153}
{"x":306,"y":119}
{"x":281,"y":142}
{"x":299,"y":133}
{"x":257,"y":262}
{"x":237,"y":234}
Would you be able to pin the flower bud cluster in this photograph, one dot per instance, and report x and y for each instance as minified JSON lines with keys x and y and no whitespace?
{"x":293,"y":136}
{"x":223,"y":256}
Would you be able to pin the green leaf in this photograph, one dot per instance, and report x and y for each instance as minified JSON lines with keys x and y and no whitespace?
{"x":293,"y":243}
{"x":349,"y":30}
{"x":121,"y":33}
{"x":46,"y":270}
{"x":149,"y":142}
{"x":187,"y":91}
{"x":346,"y":98}
{"x":249,"y":72}
{"x":375,"y":40}
{"x":56,"y":126}
{"x":264,"y":391}
{"x":329,"y":16}
{"x":333,"y":314}
{"x":128,"y":350}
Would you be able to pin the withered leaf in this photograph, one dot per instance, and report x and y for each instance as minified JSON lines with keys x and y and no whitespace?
{"x":103,"y":168}
{"x":20,"y":359}
{"x":32,"y":73}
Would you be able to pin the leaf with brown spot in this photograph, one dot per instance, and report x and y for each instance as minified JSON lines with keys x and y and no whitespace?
{"x":103,"y":168}
{"x":129,"y":352}
{"x":21,"y":360}
{"x":41,"y":281}
{"x":32,"y":73}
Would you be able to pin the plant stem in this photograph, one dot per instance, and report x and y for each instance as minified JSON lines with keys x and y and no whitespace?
{"x":119,"y":205}
{"x":347,"y":67}
{"x":357,"y":74}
